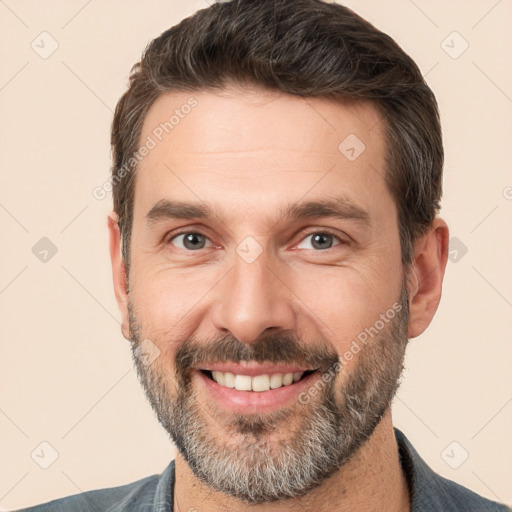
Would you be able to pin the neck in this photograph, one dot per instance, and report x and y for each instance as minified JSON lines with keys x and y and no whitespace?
{"x":371,"y":481}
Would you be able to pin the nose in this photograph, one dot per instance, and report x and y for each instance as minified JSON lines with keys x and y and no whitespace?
{"x":253,"y":299}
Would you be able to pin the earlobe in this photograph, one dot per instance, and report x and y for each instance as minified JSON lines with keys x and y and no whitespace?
{"x":426,"y":276}
{"x":118,"y":272}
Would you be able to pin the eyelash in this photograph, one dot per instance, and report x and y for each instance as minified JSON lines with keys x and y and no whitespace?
{"x":316,"y":232}
{"x":323,"y":232}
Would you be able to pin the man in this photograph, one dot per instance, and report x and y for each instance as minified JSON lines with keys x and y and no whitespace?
{"x":275,"y":244}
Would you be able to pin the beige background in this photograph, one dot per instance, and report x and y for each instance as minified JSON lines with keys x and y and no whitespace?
{"x":65,"y":370}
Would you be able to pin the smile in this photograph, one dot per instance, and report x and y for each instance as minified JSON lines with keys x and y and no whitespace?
{"x":258,"y":383}
{"x":250,"y":388}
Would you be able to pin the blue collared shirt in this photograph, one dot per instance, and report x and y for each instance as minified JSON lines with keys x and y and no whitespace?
{"x":429,"y":492}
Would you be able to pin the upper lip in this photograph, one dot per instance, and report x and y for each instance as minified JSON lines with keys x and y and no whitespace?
{"x":251,"y":368}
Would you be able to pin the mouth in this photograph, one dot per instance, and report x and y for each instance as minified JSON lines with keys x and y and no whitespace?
{"x":257,"y":383}
{"x":246,"y":388}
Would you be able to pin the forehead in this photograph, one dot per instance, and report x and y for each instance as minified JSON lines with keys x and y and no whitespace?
{"x":239,"y":146}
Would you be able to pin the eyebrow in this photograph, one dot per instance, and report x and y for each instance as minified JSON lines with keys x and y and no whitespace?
{"x":338,"y":208}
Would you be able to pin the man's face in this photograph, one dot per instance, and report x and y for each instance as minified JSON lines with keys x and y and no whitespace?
{"x":284,"y":260}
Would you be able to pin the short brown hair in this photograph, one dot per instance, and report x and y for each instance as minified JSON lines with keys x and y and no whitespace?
{"x":306,"y":48}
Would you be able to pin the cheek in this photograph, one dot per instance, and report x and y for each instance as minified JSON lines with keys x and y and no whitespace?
{"x":167,"y":302}
{"x":345,"y":303}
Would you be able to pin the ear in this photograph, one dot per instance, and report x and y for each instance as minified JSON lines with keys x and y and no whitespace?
{"x":426,"y":276}
{"x":118,"y":273}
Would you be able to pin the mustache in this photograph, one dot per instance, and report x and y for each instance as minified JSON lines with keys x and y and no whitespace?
{"x":277,"y":349}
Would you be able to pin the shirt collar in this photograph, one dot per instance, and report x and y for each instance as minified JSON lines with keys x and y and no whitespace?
{"x":423,"y":482}
{"x":164,"y":492}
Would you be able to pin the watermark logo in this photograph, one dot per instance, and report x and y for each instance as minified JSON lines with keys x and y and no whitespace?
{"x":147,"y":352}
{"x":457,"y":249}
{"x":352,"y":147}
{"x":454,"y":455}
{"x":44,"y":455}
{"x":44,"y":250}
{"x":45,"y":45}
{"x":249,"y":249}
{"x":454,"y":45}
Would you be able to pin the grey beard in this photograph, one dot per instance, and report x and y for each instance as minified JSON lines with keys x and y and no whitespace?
{"x":330,"y":429}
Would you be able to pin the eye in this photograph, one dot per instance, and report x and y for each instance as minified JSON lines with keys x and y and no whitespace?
{"x":320,"y":240}
{"x":190,"y":241}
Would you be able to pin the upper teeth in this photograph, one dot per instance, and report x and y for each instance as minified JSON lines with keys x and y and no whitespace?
{"x":257,"y":383}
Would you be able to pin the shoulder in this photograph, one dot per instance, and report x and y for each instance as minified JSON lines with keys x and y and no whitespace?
{"x":455,"y":497}
{"x":430,"y":491}
{"x":143,"y":495}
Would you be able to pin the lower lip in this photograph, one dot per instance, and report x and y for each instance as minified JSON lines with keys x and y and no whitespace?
{"x":254,"y":402}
